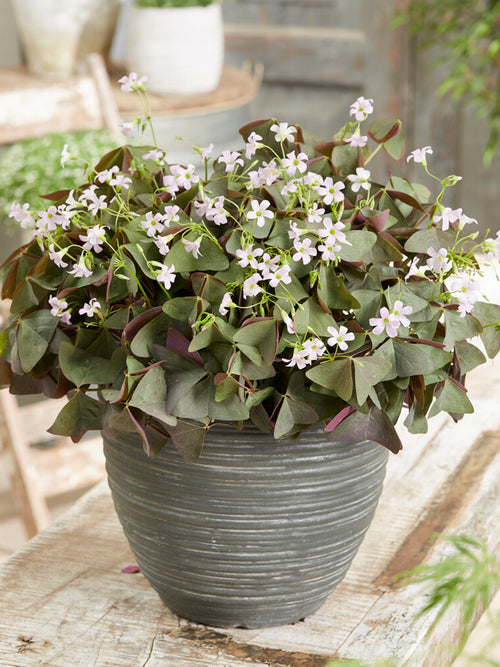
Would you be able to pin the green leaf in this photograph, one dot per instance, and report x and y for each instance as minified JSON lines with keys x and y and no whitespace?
{"x":292,"y":413}
{"x":206,"y":337}
{"x":185,"y":308}
{"x":225,"y":388}
{"x":150,"y":395}
{"x":362,"y":241}
{"x":34,"y":333}
{"x":154,"y":332}
{"x":311,"y":317}
{"x":211,"y":257}
{"x":375,"y":425}
{"x":80,"y":414}
{"x":469,"y":356}
{"x":345,"y":159}
{"x":332,"y":291}
{"x":415,"y":420}
{"x":459,"y":328}
{"x":370,"y":301}
{"x":261,"y":334}
{"x":452,"y":399}
{"x":432,"y":237}
{"x":188,"y":438}
{"x":335,"y":375}
{"x":368,"y":371}
{"x":83,"y":368}
{"x":383,"y":129}
{"x":181,"y":373}
{"x":407,"y":295}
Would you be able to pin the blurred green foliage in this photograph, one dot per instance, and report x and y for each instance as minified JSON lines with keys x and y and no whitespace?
{"x":465,"y":36}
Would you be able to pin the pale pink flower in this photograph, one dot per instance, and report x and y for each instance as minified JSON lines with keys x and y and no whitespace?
{"x":153,"y":223}
{"x":21,"y":214}
{"x":106,"y":175}
{"x":81,"y":270}
{"x":185,"y":177}
{"x":329,"y":251}
{"x":217,"y":213}
{"x":448,"y":217}
{"x":252,"y":144}
{"x":419,"y":155}
{"x":193,"y":247}
{"x":58,"y":309}
{"x":166,"y":276}
{"x":127,"y":129}
{"x":332,"y":233}
{"x":290,"y":326}
{"x":305,"y":251}
{"x":401,"y":311}
{"x":268,"y":264}
{"x":466,"y":291}
{"x":290,"y":188}
{"x":314,"y":214}
{"x":331,"y":191}
{"x":57,"y":256}
{"x":280,"y":275}
{"x":283,"y":131}
{"x":314,"y":348}
{"x":387,"y":321}
{"x":162,"y":244}
{"x":259,"y":212}
{"x":203,"y":206}
{"x":293,"y":162}
{"x":361,"y":108}
{"x":465,"y":220}
{"x":206,"y":151}
{"x":249,"y":257}
{"x":231,"y":159}
{"x":170,"y":184}
{"x":227,"y":299}
{"x":65,"y":155}
{"x":269,"y":173}
{"x":91,"y":308}
{"x":170,"y":214}
{"x":340,"y":337}
{"x":131,"y":82}
{"x":154,"y":154}
{"x":356,"y":141}
{"x":300,"y":359}
{"x":94,"y":238}
{"x":251,"y":285}
{"x":93,"y":202}
{"x":438,"y":260}
{"x":359,"y":180}
{"x":294,"y":232}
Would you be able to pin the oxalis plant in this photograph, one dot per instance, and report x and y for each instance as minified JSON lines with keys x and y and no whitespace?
{"x":279,"y":284}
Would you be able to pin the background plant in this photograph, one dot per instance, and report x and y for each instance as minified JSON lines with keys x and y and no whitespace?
{"x":32,"y":167}
{"x":464,"y":35}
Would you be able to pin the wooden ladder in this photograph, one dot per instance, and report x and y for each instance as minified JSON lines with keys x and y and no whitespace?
{"x":44,"y":466}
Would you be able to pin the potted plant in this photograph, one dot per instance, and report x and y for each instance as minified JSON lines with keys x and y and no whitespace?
{"x":246,"y":339}
{"x":57,"y":35}
{"x":177,"y":44}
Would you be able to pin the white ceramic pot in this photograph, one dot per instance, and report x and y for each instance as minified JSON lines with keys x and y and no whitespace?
{"x":57,"y":34}
{"x":180,"y":50}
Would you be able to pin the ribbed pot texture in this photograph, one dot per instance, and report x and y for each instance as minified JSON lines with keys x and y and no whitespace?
{"x":257,"y":532}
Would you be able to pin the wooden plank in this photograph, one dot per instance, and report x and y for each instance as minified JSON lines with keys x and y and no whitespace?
{"x":32,"y":106}
{"x":291,"y":54}
{"x":237,"y":87}
{"x":66,"y":601}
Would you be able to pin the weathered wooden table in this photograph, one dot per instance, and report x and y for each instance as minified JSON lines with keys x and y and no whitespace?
{"x":66,"y":603}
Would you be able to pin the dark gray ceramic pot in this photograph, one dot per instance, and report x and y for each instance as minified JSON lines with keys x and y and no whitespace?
{"x":257,"y":532}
